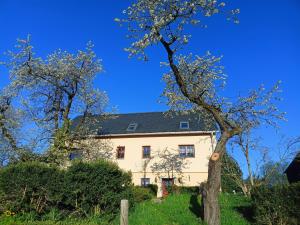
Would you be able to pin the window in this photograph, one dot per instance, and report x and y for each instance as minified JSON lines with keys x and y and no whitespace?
{"x":186,"y":151}
{"x":120,"y":152}
{"x":132,"y":127}
{"x":74,"y":155}
{"x":184,"y":125}
{"x":145,"y":182}
{"x":146,"y":152}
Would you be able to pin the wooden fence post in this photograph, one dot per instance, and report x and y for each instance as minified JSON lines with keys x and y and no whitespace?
{"x":124,"y":212}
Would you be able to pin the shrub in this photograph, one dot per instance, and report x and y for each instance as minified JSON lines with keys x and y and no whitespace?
{"x":96,"y":187}
{"x":30,"y":186}
{"x":141,"y":194}
{"x":175,"y":189}
{"x":190,"y":190}
{"x":153,"y":188}
{"x":277,"y":205}
{"x":36,"y":189}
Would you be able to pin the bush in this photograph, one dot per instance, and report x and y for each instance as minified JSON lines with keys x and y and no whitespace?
{"x":30,"y":186}
{"x":141,"y":194}
{"x":36,"y":189}
{"x":190,"y":190}
{"x":175,"y":189}
{"x":153,"y":188}
{"x":96,"y":187}
{"x":277,"y":205}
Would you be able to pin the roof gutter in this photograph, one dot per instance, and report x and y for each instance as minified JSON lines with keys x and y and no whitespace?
{"x":184,"y":133}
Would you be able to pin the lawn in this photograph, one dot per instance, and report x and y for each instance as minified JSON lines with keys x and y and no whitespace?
{"x":184,"y":209}
{"x":180,"y":209}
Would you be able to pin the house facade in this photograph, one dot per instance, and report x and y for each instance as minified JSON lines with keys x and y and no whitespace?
{"x":156,"y":148}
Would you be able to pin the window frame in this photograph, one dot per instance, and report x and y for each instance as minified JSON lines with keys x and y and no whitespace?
{"x":184,"y":122}
{"x":143,"y":184}
{"x":75,"y":155}
{"x":117,"y":153}
{"x":133,"y":126}
{"x":143,"y":155}
{"x":186,"y":152}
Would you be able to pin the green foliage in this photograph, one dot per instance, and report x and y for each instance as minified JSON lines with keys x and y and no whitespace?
{"x":183,"y":209}
{"x":69,"y":221}
{"x":30,"y":186}
{"x":141,"y":194}
{"x":231,"y":174}
{"x":278,"y":204}
{"x":175,"y":189}
{"x":189,"y":190}
{"x":37,"y":190}
{"x":59,"y":150}
{"x":96,"y":187}
{"x":153,"y":188}
{"x":235,"y":209}
{"x":175,"y":209}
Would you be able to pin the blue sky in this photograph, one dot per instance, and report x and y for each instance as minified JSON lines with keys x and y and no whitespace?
{"x":263,"y":48}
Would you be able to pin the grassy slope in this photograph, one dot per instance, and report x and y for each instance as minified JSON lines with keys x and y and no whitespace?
{"x":180,"y":209}
{"x":184,"y":210}
{"x":174,"y":210}
{"x":234,"y":209}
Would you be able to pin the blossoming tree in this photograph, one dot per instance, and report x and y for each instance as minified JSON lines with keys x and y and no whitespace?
{"x":196,"y":82}
{"x":55,"y":89}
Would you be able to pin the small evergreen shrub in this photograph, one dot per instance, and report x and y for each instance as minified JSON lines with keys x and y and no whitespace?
{"x":141,"y":194}
{"x":277,"y":204}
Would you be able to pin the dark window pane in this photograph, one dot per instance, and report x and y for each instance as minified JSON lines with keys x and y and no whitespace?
{"x":145,"y":182}
{"x":74,"y":155}
{"x":146,"y":151}
{"x":120,"y":152}
{"x":184,"y":125}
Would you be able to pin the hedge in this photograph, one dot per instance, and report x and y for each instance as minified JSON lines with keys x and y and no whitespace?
{"x":30,"y":186}
{"x":277,"y":205}
{"x":83,"y":189}
{"x":97,"y":187}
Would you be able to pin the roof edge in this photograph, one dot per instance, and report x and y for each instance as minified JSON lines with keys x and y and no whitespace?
{"x":151,"y":134}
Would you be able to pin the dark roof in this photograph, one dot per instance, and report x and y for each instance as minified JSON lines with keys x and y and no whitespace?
{"x":293,"y":170}
{"x":149,"y":122}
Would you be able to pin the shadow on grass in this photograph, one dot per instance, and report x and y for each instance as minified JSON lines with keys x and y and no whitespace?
{"x":246,"y":212}
{"x":195,"y":207}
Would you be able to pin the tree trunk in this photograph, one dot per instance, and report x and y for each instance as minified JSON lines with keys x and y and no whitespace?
{"x":7,"y":135}
{"x":210,"y":198}
{"x":57,"y":107}
{"x":212,"y":188}
{"x":249,"y":167}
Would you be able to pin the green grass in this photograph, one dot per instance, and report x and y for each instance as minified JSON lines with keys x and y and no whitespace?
{"x":175,"y":210}
{"x":184,"y":209}
{"x":180,"y":209}
{"x":235,"y":209}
